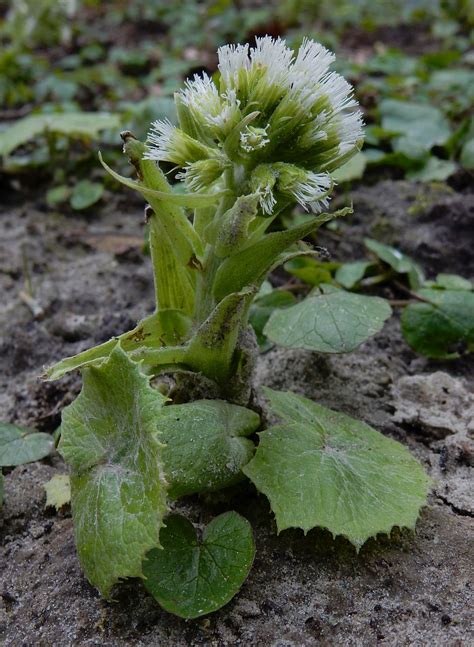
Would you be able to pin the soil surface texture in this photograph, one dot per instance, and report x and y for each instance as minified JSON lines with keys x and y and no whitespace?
{"x":89,"y":281}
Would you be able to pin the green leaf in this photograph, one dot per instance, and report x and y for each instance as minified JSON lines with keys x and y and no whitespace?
{"x":57,"y":195}
{"x":262,"y":308}
{"x":85,"y":194}
{"x":118,"y":493}
{"x":350,"y":274}
{"x":192,"y":578}
{"x":467,"y":155}
{"x":58,"y":491}
{"x":351,"y":170}
{"x":400,"y":262}
{"x":419,"y":126}
{"x":328,"y":323}
{"x":310,"y":270}
{"x":19,"y":445}
{"x":453,"y":282}
{"x":434,"y":169}
{"x":205,"y":445}
{"x":251,"y":265}
{"x":72,"y":124}
{"x":162,"y":328}
{"x":443,"y":327}
{"x":322,"y":468}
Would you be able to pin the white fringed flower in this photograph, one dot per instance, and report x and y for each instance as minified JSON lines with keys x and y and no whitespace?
{"x":161,"y":138}
{"x":350,"y":132}
{"x":312,"y":192}
{"x":253,"y":139}
{"x":311,"y":63}
{"x":271,"y":106}
{"x":274,"y":57}
{"x":267,"y":199}
{"x":168,"y":143}
{"x":200,"y":175}
{"x":219,"y":112}
{"x":232,"y":59}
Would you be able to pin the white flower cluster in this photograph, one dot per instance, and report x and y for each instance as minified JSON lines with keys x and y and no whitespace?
{"x":275,"y":113}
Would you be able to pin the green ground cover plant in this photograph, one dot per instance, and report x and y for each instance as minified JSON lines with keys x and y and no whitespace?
{"x":168,"y":409}
{"x":19,"y":446}
{"x":437,"y":316}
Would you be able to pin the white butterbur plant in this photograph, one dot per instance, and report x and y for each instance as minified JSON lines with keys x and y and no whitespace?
{"x":169,"y":409}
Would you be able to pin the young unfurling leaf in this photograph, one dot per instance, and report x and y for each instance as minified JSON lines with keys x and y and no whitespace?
{"x":206,"y":445}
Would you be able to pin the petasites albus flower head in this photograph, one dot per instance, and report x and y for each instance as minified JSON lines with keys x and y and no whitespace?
{"x":270,"y":109}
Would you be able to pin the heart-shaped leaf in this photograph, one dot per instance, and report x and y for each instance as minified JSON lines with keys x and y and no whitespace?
{"x":85,"y":194}
{"x":262,"y":308}
{"x":323,"y":468}
{"x":397,"y":260}
{"x":328,"y":323}
{"x":191,"y":578}
{"x":418,"y":126}
{"x":442,"y":326}
{"x":453,"y":282}
{"x":205,"y":445}
{"x":19,"y":445}
{"x":351,"y":273}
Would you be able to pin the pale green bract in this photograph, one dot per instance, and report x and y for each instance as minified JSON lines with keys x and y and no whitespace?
{"x":323,"y":468}
{"x":118,"y":491}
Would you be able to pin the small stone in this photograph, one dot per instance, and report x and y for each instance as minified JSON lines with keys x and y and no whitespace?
{"x":437,"y":404}
{"x":73,"y":327}
{"x":248,"y":609}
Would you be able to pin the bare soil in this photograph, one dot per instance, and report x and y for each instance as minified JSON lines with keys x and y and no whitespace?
{"x":91,"y":281}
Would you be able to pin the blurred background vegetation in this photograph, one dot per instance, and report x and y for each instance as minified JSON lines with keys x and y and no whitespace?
{"x":411,"y":62}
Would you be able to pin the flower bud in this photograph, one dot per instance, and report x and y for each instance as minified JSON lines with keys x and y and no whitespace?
{"x":200,"y":175}
{"x":170,"y":144}
{"x":253,"y":139}
{"x":262,"y":182}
